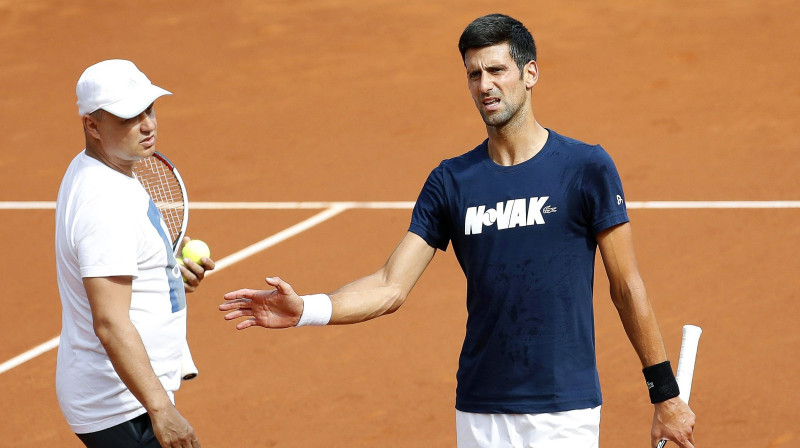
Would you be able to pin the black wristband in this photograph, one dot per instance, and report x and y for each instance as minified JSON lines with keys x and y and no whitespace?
{"x":660,"y":382}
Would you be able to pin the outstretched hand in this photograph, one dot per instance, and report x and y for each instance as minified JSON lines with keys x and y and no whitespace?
{"x":277,"y":308}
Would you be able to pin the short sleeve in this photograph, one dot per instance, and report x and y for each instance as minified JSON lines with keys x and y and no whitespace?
{"x":428,"y":220}
{"x":105,"y":238}
{"x":603,"y":195}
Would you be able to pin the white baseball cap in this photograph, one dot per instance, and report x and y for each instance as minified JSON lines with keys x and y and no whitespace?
{"x":117,"y":87}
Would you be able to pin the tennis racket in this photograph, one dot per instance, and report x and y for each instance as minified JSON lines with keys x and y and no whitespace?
{"x":689,"y":342}
{"x":164,"y":184}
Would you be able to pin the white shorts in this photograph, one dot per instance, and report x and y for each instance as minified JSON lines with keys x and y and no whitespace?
{"x":570,"y":429}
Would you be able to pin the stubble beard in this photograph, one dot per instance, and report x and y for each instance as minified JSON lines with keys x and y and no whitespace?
{"x":499,"y":118}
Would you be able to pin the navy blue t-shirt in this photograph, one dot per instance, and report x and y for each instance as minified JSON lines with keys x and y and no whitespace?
{"x":524,"y":236}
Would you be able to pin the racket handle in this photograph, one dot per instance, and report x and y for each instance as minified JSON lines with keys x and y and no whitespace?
{"x":689,"y":342}
{"x":188,"y":369}
{"x":691,"y":337}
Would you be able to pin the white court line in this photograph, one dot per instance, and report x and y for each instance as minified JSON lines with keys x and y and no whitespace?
{"x":51,"y":205}
{"x":29,"y":205}
{"x":300,"y":205}
{"x":220,"y":265}
{"x":44,"y":205}
{"x":30,"y":354}
{"x":277,"y":238}
{"x":712,"y":204}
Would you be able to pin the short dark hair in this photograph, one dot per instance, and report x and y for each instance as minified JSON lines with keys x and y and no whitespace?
{"x":496,"y":29}
{"x":98,"y":115}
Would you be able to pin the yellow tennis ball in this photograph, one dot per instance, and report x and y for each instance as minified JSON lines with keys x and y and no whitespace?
{"x":195,"y":250}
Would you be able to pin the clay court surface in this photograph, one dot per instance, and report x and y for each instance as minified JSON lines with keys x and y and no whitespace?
{"x":356,"y":100}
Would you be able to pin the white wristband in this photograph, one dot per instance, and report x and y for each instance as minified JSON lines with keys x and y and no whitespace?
{"x":317,"y":310}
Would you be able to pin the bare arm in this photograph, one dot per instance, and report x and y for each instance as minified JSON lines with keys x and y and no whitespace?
{"x":672,"y":419}
{"x":629,"y":295}
{"x":384,"y":291}
{"x":110,"y":300}
{"x":380,"y":293}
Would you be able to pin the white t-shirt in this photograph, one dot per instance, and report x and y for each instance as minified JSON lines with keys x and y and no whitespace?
{"x":106,"y":225}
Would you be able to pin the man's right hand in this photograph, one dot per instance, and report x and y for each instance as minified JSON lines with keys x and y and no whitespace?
{"x":172,"y":430}
{"x":277,"y":308}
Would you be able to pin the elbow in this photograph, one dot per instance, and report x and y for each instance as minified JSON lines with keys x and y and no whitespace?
{"x":624,"y":294}
{"x":396,"y":299}
{"x":104,"y":329}
{"x":618,"y":297}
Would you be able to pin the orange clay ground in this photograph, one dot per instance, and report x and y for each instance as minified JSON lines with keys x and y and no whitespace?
{"x":356,"y":100}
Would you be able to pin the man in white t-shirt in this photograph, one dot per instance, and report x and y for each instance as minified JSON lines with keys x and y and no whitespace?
{"x":122,"y":293}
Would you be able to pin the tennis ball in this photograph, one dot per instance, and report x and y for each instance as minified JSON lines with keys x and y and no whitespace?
{"x":195,"y":250}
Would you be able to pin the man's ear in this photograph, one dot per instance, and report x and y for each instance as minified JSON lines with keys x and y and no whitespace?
{"x":90,"y":125}
{"x":531,"y":74}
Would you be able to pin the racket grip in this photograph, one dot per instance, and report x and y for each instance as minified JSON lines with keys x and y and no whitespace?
{"x":685,"y":372}
{"x":188,"y":369}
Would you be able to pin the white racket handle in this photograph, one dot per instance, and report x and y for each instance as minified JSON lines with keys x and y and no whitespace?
{"x":691,"y":338}
{"x":688,"y":356}
{"x":188,"y":369}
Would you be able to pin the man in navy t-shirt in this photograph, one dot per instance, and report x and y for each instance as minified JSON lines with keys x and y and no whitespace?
{"x":525,"y":212}
{"x":525,"y":238}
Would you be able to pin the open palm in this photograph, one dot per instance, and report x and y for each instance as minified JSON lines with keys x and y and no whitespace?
{"x":277,"y":308}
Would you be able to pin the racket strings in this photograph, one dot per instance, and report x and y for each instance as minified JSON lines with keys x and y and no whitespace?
{"x":164,"y":188}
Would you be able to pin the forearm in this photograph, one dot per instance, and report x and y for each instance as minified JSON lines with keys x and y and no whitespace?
{"x":639,"y":322}
{"x":384,"y":291}
{"x":366,"y":298}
